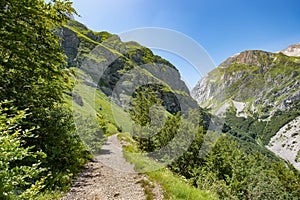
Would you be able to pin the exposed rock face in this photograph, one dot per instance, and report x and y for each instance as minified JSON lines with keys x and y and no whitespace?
{"x":265,"y":81}
{"x":263,"y":86}
{"x":293,"y":50}
{"x":118,"y":68}
{"x":70,"y":45}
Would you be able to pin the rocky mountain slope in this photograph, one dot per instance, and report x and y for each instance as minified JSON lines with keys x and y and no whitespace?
{"x":261,"y":91}
{"x":253,"y":81}
{"x":119,"y":68}
{"x":292,"y":50}
{"x":111,"y":77}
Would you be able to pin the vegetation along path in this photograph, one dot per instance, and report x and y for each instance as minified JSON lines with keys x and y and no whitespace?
{"x":110,"y":176}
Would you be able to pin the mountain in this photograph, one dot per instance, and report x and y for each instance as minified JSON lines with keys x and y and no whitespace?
{"x":116,"y":83}
{"x":292,"y":50}
{"x":257,"y":92}
{"x":254,"y":81}
{"x":118,"y":68}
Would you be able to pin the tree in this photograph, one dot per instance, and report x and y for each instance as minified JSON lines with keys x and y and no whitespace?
{"x":30,"y":55}
{"x":32,"y":79}
{"x":17,"y":181}
{"x":146,"y":113}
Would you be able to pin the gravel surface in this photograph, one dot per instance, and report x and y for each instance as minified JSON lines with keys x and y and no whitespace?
{"x":109,"y":176}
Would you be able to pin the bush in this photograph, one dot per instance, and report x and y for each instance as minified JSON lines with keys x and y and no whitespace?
{"x":18,"y":180}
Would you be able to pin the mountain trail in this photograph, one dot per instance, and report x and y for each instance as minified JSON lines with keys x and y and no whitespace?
{"x":110,"y":176}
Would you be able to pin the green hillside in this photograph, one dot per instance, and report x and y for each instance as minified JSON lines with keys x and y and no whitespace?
{"x":226,"y":164}
{"x":65,"y":88}
{"x":255,"y":93}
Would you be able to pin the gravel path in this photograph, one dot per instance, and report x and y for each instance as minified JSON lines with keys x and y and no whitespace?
{"x":109,"y":176}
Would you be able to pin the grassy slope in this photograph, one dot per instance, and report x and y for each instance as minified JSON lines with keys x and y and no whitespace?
{"x":176,"y":187}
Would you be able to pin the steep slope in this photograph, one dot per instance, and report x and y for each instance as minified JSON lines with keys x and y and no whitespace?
{"x":118,"y":68}
{"x":254,"y":81}
{"x":258,"y":93}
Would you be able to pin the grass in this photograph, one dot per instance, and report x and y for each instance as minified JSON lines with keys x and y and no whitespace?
{"x":96,"y":102}
{"x":49,"y":195}
{"x":175,"y":187}
{"x":148,"y":188}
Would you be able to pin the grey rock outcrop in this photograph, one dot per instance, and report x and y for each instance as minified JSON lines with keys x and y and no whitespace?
{"x":118,"y":68}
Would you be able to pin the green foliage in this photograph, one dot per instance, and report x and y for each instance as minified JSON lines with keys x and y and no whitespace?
{"x":18,"y":181}
{"x":155,"y":128}
{"x":297,"y":159}
{"x":234,"y":174}
{"x":66,"y":153}
{"x":30,"y":57}
{"x":30,"y":53}
{"x":148,"y":189}
{"x":185,"y":164}
{"x":168,"y":131}
{"x":31,"y":77}
{"x":144,"y":100}
{"x":91,"y":130}
{"x":230,"y":170}
{"x":175,"y":186}
{"x":251,"y":129}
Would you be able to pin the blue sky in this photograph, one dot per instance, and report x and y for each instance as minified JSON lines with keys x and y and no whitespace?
{"x":222,"y":28}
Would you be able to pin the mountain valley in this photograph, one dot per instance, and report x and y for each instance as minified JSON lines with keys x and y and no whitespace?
{"x":85,"y":115}
{"x":261,"y":88}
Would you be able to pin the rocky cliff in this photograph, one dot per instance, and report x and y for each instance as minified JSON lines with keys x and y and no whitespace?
{"x":119,"y":68}
{"x":253,"y":82}
{"x":258,"y":95}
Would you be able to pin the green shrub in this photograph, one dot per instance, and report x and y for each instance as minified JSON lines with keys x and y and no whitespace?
{"x":18,"y":180}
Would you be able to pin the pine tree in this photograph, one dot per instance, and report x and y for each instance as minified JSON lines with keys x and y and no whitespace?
{"x":145,"y":112}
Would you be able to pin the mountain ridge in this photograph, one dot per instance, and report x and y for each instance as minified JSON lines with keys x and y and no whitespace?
{"x":116,"y":67}
{"x":265,"y":67}
{"x":258,"y":88}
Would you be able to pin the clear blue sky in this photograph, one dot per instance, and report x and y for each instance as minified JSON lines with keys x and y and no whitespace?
{"x":221,"y":27}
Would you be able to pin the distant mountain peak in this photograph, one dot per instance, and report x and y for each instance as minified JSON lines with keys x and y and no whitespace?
{"x":248,"y":57}
{"x":292,"y":50}
{"x":266,"y":81}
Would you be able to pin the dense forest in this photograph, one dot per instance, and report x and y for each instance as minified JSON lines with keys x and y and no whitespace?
{"x":41,"y":151}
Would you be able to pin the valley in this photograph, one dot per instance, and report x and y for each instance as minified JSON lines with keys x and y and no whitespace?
{"x":85,"y":115}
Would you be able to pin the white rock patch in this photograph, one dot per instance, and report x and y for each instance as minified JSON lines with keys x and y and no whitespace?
{"x":286,"y":142}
